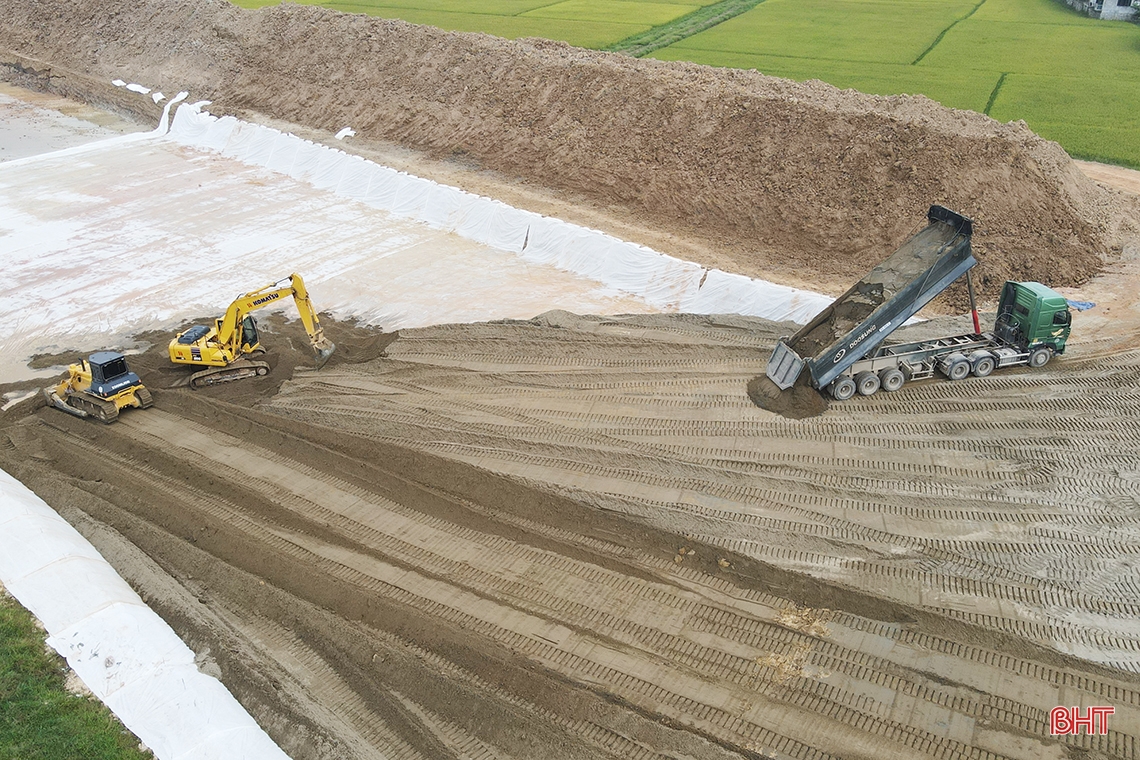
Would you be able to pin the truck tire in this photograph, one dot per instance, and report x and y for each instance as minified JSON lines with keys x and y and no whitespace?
{"x":957,"y":370}
{"x":842,"y":388}
{"x":1040,"y":357}
{"x":867,"y":383}
{"x":984,"y":366}
{"x":891,"y":379}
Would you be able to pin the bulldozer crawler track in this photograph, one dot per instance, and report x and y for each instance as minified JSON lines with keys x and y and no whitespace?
{"x":100,"y":409}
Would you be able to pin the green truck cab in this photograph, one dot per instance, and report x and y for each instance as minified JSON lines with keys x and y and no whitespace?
{"x":1034,"y":319}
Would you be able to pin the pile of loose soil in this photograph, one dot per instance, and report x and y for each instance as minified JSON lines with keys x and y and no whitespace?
{"x":780,"y":176}
{"x":796,"y":403}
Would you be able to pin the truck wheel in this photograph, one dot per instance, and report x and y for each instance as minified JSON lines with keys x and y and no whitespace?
{"x":958,"y":370}
{"x":867,"y":383}
{"x":891,"y":380}
{"x":1040,"y":357}
{"x":842,"y":388}
{"x":983,"y":366}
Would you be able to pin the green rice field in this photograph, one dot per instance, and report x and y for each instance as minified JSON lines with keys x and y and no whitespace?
{"x":585,"y":23}
{"x":1074,"y":79}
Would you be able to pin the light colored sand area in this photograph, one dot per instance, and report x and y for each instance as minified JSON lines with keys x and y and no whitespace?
{"x":147,"y":235}
{"x":1116,"y":177}
{"x":32,"y":123}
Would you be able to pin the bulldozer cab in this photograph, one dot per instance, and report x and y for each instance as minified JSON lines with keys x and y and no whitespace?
{"x":107,"y":366}
{"x":110,"y":374}
{"x":1031,"y":315}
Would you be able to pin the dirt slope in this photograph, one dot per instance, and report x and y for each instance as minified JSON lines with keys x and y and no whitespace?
{"x":780,"y":176}
{"x":577,"y":538}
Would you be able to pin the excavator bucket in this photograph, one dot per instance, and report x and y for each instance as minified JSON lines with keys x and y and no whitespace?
{"x":323,"y":352}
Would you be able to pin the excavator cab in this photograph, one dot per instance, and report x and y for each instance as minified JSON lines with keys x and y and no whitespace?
{"x":249,"y":338}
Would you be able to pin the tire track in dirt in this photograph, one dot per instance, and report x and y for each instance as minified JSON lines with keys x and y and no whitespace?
{"x":437,"y":609}
{"x":1011,"y":470}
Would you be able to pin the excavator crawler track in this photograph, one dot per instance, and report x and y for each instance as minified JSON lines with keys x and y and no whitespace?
{"x":238,"y":370}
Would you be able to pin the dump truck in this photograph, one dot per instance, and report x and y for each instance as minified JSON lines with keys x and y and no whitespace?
{"x":842,"y":349}
{"x":99,"y":386}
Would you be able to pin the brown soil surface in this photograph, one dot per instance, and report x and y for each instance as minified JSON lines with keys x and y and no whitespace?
{"x":577,"y":537}
{"x":796,"y":403}
{"x":1116,"y":177}
{"x":772,"y":178}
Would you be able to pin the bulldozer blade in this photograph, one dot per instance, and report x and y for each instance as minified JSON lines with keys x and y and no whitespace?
{"x":53,"y":399}
{"x":323,"y":354}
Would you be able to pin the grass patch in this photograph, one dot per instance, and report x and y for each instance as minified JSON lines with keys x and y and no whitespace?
{"x":1035,"y":12}
{"x":39,"y":719}
{"x":1107,"y":51}
{"x":1095,"y":119}
{"x":970,"y":89}
{"x":686,"y":26}
{"x":615,"y":12}
{"x":894,"y":31}
{"x":994,"y":94}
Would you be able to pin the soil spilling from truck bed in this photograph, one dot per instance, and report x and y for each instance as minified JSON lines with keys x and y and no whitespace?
{"x":796,"y":403}
{"x":577,"y":537}
{"x":776,"y":178}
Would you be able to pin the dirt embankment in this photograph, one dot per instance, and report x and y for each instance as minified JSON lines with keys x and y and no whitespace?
{"x":776,"y":176}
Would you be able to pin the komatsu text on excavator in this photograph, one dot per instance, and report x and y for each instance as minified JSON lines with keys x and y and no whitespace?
{"x":225,"y":349}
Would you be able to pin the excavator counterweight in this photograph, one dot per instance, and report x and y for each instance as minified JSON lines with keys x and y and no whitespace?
{"x":226,"y":350}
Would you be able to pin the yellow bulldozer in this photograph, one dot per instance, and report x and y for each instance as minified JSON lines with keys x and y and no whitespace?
{"x":227,"y":348}
{"x":99,"y":386}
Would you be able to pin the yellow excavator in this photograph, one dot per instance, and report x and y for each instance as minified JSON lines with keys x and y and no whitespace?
{"x":227,"y":347}
{"x":99,"y":386}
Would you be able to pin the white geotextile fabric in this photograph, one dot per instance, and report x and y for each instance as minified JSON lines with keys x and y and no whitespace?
{"x":666,"y":283}
{"x":125,"y":653}
{"x":159,"y":131}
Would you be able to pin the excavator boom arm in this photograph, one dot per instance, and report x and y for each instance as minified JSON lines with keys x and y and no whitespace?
{"x":229,"y":326}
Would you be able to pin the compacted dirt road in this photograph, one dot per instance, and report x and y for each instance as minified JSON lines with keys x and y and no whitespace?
{"x":576,"y":537}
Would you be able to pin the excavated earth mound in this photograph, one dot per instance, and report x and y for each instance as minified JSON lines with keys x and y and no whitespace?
{"x":781,"y":176}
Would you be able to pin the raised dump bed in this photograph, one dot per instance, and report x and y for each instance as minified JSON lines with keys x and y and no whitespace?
{"x":891,"y":293}
{"x":841,"y":349}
